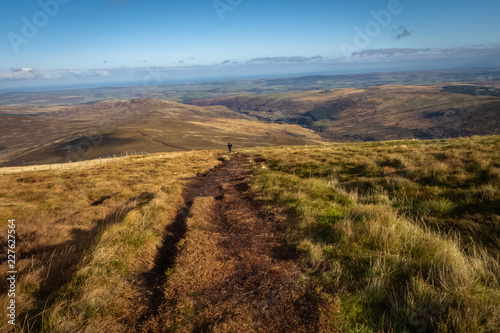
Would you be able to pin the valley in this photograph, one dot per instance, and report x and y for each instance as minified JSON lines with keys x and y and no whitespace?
{"x":56,"y":133}
{"x":42,"y":135}
{"x":351,"y":209}
{"x":389,"y":112}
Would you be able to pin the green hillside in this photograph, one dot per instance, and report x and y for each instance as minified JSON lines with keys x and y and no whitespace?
{"x":395,"y":236}
{"x":398,"y":236}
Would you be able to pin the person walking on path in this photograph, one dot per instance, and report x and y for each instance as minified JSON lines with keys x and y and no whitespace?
{"x":229,"y":146}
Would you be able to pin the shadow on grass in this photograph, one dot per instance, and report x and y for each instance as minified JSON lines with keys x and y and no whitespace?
{"x":62,"y":260}
{"x":204,"y":184}
{"x":165,"y":260}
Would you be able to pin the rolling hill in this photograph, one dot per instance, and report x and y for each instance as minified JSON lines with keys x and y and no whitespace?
{"x":379,"y":113}
{"x":37,"y":134}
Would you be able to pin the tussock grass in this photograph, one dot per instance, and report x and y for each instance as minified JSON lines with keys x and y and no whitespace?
{"x":101,"y":291}
{"x":85,"y":236}
{"x":398,"y":236}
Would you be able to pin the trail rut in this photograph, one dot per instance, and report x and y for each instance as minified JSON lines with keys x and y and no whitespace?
{"x":231,"y":274}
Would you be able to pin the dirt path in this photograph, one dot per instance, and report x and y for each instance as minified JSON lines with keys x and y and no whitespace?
{"x":231,"y":273}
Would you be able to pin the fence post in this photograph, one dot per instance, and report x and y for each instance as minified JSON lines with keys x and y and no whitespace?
{"x":35,"y":171}
{"x":50,"y":167}
{"x":100,"y":160}
{"x":22,"y":173}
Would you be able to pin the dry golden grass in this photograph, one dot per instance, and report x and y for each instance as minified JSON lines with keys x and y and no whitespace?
{"x":198,"y":268}
{"x":375,"y":113}
{"x":107,"y":128}
{"x":394,"y":236}
{"x":83,"y":234}
{"x":398,"y":236}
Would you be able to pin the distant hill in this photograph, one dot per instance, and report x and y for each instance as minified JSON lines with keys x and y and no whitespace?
{"x":44,"y":129}
{"x":378,"y":113}
{"x":185,"y":93}
{"x":60,"y":134}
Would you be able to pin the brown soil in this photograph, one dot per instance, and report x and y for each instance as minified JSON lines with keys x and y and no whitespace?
{"x":233,"y":274}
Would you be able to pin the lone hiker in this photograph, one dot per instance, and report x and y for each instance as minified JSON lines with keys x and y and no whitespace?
{"x":229,"y":146}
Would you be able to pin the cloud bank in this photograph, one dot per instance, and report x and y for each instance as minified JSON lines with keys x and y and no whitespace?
{"x":276,"y":60}
{"x":365,"y":60}
{"x":476,"y":53}
{"x":15,"y":74}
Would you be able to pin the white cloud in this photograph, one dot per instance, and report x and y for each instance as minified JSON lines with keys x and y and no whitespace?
{"x":33,"y":74}
{"x":484,"y":55}
{"x":17,"y":70}
{"x":275,"y":60}
{"x":422,"y":54}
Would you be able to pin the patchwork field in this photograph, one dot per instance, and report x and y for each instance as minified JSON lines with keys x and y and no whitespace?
{"x":185,"y":93}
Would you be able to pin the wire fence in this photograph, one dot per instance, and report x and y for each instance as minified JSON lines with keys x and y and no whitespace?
{"x":32,"y":170}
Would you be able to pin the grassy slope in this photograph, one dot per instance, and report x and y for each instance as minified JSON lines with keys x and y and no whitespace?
{"x":375,"y":113}
{"x":103,"y":129}
{"x":396,"y":236}
{"x":84,"y":236}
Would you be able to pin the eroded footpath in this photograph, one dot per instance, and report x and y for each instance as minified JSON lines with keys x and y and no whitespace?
{"x":226,"y":268}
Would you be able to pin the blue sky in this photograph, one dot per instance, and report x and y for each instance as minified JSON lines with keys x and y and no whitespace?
{"x":57,"y":42}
